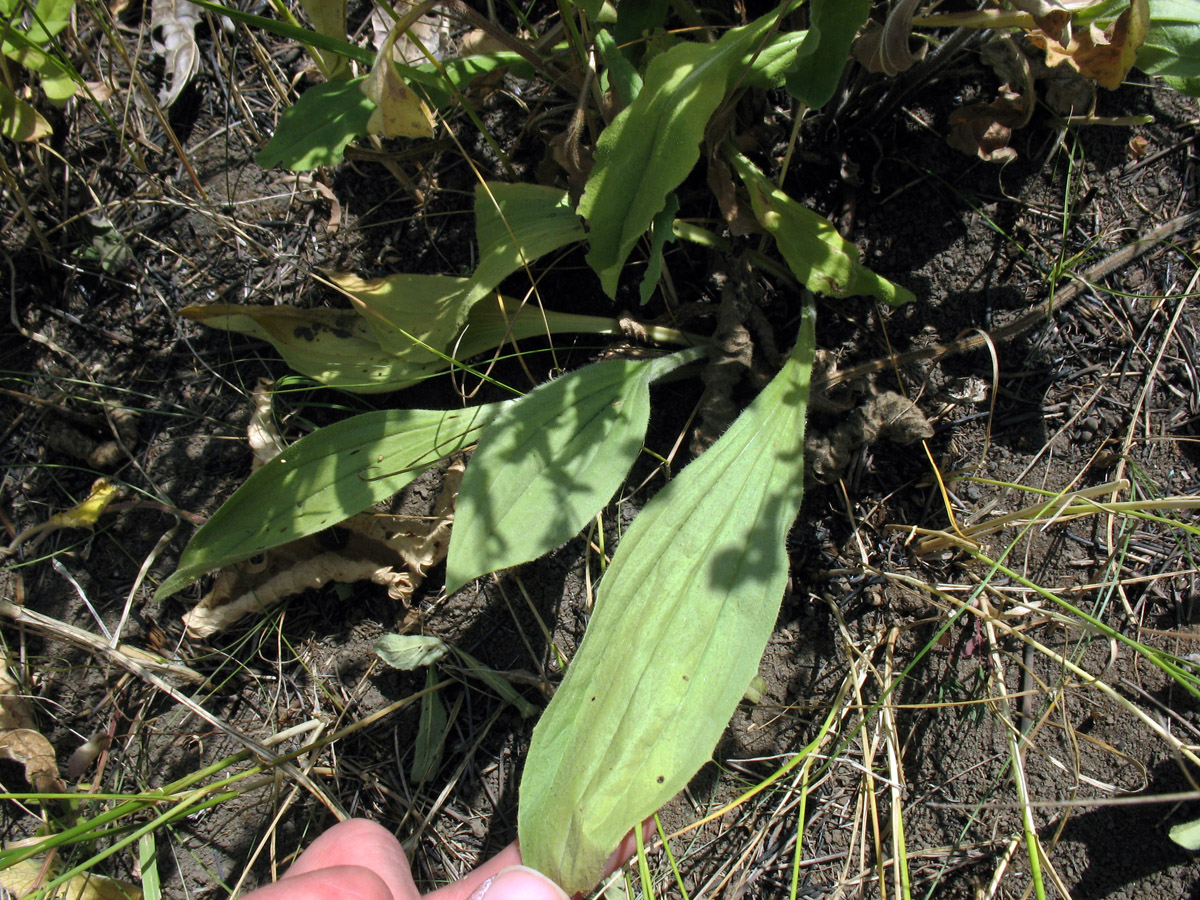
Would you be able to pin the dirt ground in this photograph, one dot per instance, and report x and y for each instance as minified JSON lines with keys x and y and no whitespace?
{"x":1103,"y":389}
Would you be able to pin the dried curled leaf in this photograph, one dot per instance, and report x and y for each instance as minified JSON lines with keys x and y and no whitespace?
{"x":266,"y":442}
{"x":173,"y":29}
{"x":1106,"y":56}
{"x":396,"y":552}
{"x":20,"y":740}
{"x":884,"y":415}
{"x":887,"y":48}
{"x":431,"y":29}
{"x":984,"y":129}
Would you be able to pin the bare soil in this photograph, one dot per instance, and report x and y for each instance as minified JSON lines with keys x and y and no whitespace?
{"x":1105,"y":388}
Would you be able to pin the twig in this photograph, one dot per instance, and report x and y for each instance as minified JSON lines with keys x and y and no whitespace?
{"x":978,"y":339}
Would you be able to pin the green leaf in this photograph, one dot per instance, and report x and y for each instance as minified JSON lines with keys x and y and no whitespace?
{"x":462,"y":70}
{"x":516,"y":224}
{"x":333,"y":346}
{"x":622,"y":75}
{"x":821,"y":58}
{"x":682,"y":617}
{"x":661,"y":231}
{"x":431,"y":733}
{"x":770,"y":67}
{"x":391,"y":345}
{"x":1186,"y":835}
{"x":50,"y":17}
{"x":18,"y":120}
{"x":1172,"y":45}
{"x":324,"y":478}
{"x":549,"y":462}
{"x":315,"y":131}
{"x":410,"y":651}
{"x":637,"y":20}
{"x":823,"y":260}
{"x":413,"y":317}
{"x":652,"y":145}
{"x":58,"y":82}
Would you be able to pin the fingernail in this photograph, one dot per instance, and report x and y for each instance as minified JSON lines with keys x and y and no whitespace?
{"x":519,"y":883}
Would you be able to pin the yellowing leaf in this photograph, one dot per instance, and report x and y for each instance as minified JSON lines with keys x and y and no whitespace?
{"x":398,"y":111}
{"x":86,"y":514}
{"x":334,"y":347}
{"x":821,"y":258}
{"x":18,"y":120}
{"x":1106,"y":56}
{"x":329,"y":18}
{"x":28,"y":875}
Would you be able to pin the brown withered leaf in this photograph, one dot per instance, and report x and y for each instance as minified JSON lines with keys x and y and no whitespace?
{"x":1105,"y":56}
{"x":20,"y":740}
{"x":887,"y":48}
{"x":984,"y":129}
{"x":394,"y":551}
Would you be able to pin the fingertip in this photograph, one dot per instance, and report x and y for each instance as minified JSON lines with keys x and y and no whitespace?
{"x":519,"y":883}
{"x":359,"y":842}
{"x":343,"y":882}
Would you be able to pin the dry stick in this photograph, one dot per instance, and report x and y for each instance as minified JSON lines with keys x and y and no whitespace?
{"x":143,"y":665}
{"x":1127,"y":443}
{"x":130,"y":658}
{"x":1023,"y":323}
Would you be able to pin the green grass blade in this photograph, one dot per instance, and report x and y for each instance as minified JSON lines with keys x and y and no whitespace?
{"x":682,"y":617}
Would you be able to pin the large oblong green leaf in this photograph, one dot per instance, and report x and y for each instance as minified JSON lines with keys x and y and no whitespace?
{"x":324,"y":478}
{"x":682,"y":617}
{"x":514,"y":225}
{"x":549,"y":462}
{"x":652,"y":145}
{"x":823,"y":260}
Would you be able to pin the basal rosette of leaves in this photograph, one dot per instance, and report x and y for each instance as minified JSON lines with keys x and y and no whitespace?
{"x":690,"y":599}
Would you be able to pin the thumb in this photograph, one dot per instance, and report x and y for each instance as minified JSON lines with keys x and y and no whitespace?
{"x":519,"y":883}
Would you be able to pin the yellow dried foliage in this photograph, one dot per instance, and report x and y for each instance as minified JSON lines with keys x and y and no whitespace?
{"x":26,"y":876}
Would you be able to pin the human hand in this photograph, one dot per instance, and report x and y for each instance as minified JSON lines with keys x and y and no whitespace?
{"x":359,"y":860}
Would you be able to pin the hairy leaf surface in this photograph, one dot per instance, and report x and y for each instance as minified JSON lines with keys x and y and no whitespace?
{"x":549,"y":462}
{"x":682,"y":617}
{"x":324,"y":478}
{"x":823,"y":260}
{"x":652,"y":145}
